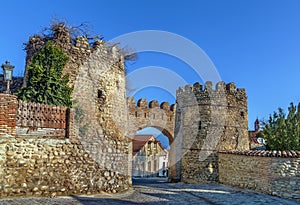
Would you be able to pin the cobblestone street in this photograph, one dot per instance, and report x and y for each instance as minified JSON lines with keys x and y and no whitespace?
{"x":157,"y":191}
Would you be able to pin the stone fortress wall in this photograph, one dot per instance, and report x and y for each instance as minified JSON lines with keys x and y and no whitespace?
{"x":91,"y":153}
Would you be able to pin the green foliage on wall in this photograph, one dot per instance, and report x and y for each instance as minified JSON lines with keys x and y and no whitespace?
{"x":45,"y":82}
{"x":283,"y":132}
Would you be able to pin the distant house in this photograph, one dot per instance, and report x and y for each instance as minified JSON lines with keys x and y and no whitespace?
{"x":256,"y":143}
{"x":149,"y":157}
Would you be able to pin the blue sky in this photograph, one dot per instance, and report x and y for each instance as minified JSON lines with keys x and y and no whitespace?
{"x":254,"y":43}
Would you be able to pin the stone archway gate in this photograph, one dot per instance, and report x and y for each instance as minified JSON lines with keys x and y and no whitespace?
{"x":143,"y":114}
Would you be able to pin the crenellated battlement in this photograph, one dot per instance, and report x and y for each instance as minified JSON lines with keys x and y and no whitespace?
{"x":208,"y":90}
{"x":153,"y":114}
{"x":143,"y":103}
{"x":81,"y":46}
{"x":208,"y":86}
{"x":79,"y":49}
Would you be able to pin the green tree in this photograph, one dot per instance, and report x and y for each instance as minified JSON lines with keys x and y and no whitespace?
{"x":281,"y":131}
{"x":45,"y":82}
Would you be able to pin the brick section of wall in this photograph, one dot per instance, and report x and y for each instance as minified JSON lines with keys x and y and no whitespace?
{"x":8,"y":114}
{"x":34,"y":119}
{"x":278,"y":176}
{"x":41,"y":115}
{"x":72,"y":129}
{"x":207,"y":120}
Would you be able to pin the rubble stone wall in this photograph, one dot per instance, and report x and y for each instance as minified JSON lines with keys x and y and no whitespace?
{"x":267,"y":173}
{"x":37,"y":166}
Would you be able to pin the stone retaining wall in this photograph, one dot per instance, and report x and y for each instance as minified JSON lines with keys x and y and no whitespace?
{"x":36,"y":166}
{"x":275,"y":173}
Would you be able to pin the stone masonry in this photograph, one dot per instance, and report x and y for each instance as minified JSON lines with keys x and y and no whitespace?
{"x":274,"y":172}
{"x":207,"y":120}
{"x":37,"y":166}
{"x":160,"y":116}
{"x":96,"y":155}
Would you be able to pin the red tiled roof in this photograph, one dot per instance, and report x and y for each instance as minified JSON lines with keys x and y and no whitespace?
{"x":139,"y":142}
{"x":262,"y":153}
{"x":252,"y":133}
{"x":254,"y":140}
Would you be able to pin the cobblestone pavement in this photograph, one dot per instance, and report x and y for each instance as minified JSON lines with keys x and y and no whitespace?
{"x":157,"y":191}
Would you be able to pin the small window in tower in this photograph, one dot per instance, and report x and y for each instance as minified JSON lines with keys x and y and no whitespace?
{"x":242,"y":114}
{"x":199,"y":125}
{"x":100,"y":94}
{"x":117,"y":84}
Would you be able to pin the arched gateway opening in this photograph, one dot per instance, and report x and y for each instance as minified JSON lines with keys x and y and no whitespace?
{"x":150,"y":154}
{"x":148,"y":123}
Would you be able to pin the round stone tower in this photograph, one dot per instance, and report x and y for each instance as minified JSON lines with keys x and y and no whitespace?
{"x":207,"y":120}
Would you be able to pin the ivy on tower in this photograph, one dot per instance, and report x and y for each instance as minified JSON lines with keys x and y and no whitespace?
{"x":45,"y":82}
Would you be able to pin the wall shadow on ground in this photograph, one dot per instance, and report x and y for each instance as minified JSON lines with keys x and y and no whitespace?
{"x":149,"y":191}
